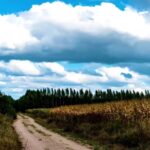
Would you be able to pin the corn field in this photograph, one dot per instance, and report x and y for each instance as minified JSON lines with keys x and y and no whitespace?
{"x":119,"y":125}
{"x":124,"y":111}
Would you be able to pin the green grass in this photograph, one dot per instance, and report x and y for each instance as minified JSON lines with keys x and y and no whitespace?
{"x":118,"y":133}
{"x":8,"y":137}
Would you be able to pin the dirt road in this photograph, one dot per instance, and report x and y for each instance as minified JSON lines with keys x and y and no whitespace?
{"x":35,"y":137}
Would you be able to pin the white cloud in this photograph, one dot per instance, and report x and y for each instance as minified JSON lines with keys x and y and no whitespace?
{"x":83,"y":78}
{"x":33,"y":75}
{"x":54,"y":67}
{"x":59,"y":31}
{"x":28,"y":68}
{"x":16,"y":66}
{"x":113,"y":73}
{"x":137,"y":81}
{"x":14,"y":35}
{"x":116,"y":74}
{"x":97,"y":19}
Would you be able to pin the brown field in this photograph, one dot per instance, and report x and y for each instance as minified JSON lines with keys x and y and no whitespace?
{"x":113,"y":125}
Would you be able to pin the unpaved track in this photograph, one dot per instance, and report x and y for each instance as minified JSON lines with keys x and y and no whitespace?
{"x":35,"y":137}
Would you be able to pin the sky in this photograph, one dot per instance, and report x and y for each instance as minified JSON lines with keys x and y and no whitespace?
{"x":89,"y":44}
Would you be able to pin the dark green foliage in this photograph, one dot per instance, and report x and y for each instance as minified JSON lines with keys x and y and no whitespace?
{"x":8,"y":137}
{"x":48,"y":98}
{"x":7,"y":106}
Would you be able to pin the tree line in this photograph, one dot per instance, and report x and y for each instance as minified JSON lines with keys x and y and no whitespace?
{"x":49,"y":98}
{"x":7,"y":105}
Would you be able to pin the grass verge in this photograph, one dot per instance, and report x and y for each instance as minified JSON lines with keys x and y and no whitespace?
{"x":8,"y":137}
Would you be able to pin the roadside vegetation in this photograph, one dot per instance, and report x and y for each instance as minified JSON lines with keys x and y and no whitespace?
{"x":8,"y":137}
{"x":113,"y":125}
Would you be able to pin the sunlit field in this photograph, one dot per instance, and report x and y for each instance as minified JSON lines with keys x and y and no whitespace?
{"x":115,"y":125}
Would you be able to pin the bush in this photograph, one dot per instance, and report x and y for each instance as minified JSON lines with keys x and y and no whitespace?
{"x":6,"y":106}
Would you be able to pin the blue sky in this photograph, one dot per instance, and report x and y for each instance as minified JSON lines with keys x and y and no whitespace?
{"x":92,"y":44}
{"x":9,"y":6}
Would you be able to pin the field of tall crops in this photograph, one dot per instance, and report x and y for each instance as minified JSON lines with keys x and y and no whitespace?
{"x":119,"y":125}
{"x":8,"y":137}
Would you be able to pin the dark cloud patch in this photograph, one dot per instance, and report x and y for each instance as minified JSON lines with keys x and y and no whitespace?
{"x":92,"y":72}
{"x":127,"y":75}
{"x":110,"y":48}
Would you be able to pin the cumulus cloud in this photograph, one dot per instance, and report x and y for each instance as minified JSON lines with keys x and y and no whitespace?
{"x":13,"y":34}
{"x":18,"y":75}
{"x":22,"y":67}
{"x":123,"y":78}
{"x":101,"y":33}
{"x":119,"y":74}
{"x":52,"y":69}
{"x":34,"y":43}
